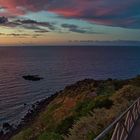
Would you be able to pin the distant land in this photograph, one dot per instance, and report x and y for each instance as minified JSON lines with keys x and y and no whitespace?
{"x":85,"y":43}
{"x":105,"y":43}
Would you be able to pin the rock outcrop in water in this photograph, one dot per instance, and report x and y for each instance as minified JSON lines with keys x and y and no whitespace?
{"x":32,"y":77}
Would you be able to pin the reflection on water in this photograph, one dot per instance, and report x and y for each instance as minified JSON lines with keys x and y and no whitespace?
{"x":59,"y":66}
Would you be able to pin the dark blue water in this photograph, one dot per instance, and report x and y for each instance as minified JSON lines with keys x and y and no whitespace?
{"x":59,"y":66}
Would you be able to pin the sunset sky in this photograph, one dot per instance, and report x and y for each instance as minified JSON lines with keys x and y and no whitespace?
{"x":54,"y":22}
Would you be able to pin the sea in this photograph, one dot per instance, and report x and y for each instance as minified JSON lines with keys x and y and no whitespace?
{"x":59,"y":66}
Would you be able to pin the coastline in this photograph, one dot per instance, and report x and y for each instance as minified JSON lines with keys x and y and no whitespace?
{"x":86,"y":85}
{"x":34,"y":112}
{"x":28,"y":118}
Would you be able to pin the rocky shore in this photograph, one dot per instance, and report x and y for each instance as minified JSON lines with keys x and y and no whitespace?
{"x":9,"y":130}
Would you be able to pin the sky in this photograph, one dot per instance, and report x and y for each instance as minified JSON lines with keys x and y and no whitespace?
{"x":69,"y":22}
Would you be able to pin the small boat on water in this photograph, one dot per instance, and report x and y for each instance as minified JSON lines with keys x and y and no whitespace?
{"x":32,"y":77}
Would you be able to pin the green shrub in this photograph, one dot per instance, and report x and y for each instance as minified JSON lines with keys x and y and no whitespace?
{"x":84,"y":107}
{"x":105,"y":89}
{"x":103,"y":101}
{"x":136,"y":81}
{"x":118,"y":84}
{"x":50,"y":136}
{"x":90,"y":135}
{"x":65,"y":125}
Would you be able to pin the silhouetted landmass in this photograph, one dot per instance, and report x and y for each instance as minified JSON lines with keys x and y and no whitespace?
{"x":32,"y":77}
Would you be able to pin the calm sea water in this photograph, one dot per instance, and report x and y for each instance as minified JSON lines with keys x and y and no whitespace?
{"x":59,"y":66}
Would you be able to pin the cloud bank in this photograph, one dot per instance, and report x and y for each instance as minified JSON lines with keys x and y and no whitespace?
{"x":42,"y":27}
{"x":117,"y":13}
{"x":38,"y":27}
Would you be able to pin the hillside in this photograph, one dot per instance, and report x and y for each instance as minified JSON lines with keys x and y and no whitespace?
{"x":82,"y":110}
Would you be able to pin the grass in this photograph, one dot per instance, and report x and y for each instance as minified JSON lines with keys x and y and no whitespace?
{"x":50,"y":136}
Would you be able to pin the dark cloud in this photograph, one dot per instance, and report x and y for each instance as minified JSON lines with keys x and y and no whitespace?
{"x":41,"y":31}
{"x":26,"y":21}
{"x":16,"y":34}
{"x":73,"y":28}
{"x":13,"y":34}
{"x":3,"y":20}
{"x":21,"y":35}
{"x":34,"y":23}
{"x":77,"y":29}
{"x":40,"y":27}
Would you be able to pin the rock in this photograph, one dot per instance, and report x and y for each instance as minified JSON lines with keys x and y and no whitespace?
{"x":32,"y":77}
{"x":25,"y":104}
{"x":7,"y":126}
{"x":1,"y":133}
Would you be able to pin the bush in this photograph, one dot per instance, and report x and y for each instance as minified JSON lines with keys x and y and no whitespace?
{"x":50,"y":136}
{"x":118,"y":84}
{"x":128,"y":93}
{"x":90,"y":135}
{"x":105,"y":89}
{"x":65,"y":125}
{"x":103,"y":101}
{"x":136,"y":81}
{"x":84,"y":107}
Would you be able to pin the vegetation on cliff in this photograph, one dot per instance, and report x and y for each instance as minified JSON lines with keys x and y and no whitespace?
{"x":81,"y":111}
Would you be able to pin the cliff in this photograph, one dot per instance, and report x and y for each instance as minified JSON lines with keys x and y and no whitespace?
{"x":81,"y":111}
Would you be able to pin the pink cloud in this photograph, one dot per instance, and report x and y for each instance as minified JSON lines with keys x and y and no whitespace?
{"x":107,"y":12}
